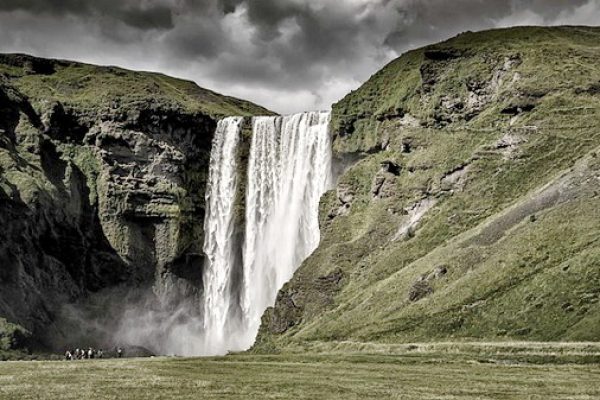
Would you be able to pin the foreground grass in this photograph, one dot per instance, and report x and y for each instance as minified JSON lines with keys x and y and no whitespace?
{"x":406,"y":372}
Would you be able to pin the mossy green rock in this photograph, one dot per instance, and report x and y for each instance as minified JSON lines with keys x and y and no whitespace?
{"x":102,"y":180}
{"x":12,"y":336}
{"x":488,"y":227}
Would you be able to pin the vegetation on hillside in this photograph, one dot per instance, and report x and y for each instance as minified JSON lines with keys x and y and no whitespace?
{"x":111,"y":90}
{"x":473,"y":211}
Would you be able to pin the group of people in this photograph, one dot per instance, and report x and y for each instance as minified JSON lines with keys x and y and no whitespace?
{"x":90,"y":353}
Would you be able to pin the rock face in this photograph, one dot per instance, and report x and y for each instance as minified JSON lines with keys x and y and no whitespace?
{"x":152,"y":173}
{"x":470,"y":204}
{"x":102,"y":177}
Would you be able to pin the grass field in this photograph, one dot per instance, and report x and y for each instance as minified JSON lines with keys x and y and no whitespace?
{"x":348,"y":371}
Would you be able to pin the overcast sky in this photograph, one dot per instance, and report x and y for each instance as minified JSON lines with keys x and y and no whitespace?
{"x":288,"y":55}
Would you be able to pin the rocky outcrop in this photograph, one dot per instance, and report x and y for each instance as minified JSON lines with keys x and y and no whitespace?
{"x":384,"y":182}
{"x":345,"y":196}
{"x":151,"y":198}
{"x":422,"y":286}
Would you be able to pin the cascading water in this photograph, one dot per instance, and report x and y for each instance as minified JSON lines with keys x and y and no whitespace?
{"x":218,"y":230}
{"x":289,"y":169}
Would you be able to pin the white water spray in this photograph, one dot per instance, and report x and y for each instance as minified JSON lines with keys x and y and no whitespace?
{"x":218,"y":231}
{"x":289,"y":170}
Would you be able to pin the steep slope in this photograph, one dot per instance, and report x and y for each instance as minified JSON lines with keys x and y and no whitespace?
{"x":467,"y":205}
{"x":102,"y":178}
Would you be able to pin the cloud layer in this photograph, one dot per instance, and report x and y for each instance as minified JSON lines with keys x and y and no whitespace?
{"x":288,"y":55}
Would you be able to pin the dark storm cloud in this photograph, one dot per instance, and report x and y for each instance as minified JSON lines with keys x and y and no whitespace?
{"x":229,"y":6}
{"x":286,"y":54}
{"x":430,"y":20}
{"x":152,"y":18}
{"x":138,"y":14}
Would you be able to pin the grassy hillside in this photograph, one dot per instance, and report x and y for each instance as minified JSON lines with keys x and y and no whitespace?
{"x":472,"y":212}
{"x":106,"y":89}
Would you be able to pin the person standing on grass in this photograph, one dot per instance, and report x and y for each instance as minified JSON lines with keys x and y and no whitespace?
{"x":119,"y":352}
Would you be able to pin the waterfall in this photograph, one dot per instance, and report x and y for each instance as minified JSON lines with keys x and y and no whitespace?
{"x":289,"y":169}
{"x":218,"y":232}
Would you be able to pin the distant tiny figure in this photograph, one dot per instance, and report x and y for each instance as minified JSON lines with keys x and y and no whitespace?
{"x":76,"y":355}
{"x":68,"y":355}
{"x":90,"y":353}
{"x":100,"y":353}
{"x":119,"y":352}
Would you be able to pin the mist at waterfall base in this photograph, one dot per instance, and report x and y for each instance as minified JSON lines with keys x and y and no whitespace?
{"x":132,"y":318}
{"x":254,"y":241}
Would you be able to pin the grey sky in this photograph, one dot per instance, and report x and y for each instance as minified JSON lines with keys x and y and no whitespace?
{"x":288,"y":55}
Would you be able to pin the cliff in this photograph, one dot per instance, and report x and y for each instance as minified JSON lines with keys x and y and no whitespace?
{"x":467,"y":202}
{"x":102,"y":178}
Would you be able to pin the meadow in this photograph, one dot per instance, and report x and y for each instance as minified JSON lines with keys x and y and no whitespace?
{"x":344,"y":371}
